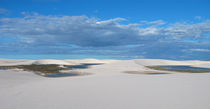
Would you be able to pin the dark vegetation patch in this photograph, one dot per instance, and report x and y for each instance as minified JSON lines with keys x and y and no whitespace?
{"x":51,"y":70}
{"x":180,"y":68}
{"x":157,"y":73}
{"x":145,"y":72}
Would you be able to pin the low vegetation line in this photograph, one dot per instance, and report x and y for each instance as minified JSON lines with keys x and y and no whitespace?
{"x":184,"y":69}
{"x":48,"y":68}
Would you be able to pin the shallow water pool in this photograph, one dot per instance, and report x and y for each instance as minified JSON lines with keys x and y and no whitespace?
{"x":82,"y":66}
{"x":181,"y":68}
{"x":60,"y":74}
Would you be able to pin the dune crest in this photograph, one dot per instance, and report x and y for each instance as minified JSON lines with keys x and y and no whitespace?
{"x":52,"y":61}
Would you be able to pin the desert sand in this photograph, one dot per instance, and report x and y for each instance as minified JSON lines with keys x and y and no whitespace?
{"x":108,"y":86}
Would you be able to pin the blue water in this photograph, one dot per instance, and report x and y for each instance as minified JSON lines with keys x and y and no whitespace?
{"x":157,"y":73}
{"x":183,"y":68}
{"x":82,"y":66}
{"x":60,"y":74}
{"x":2,"y":68}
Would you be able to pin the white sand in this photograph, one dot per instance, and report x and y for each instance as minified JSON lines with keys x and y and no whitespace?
{"x":107,"y":88}
{"x":53,"y":61}
{"x":7,"y":62}
{"x":91,"y":61}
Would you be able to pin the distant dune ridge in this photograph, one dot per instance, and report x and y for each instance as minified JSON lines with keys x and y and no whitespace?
{"x":196,"y":63}
{"x":75,"y":61}
{"x":110,"y":66}
{"x":51,"y":61}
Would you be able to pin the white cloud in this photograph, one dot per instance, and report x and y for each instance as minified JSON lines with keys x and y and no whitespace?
{"x":85,"y":31}
{"x":201,"y":50}
{"x":188,"y":30}
{"x":78,"y":30}
{"x":157,"y":22}
{"x":76,"y":34}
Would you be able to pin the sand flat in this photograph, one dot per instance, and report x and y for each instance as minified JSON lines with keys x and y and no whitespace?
{"x":107,"y":88}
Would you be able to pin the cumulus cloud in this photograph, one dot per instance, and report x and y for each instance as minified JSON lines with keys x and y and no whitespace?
{"x":157,"y":22}
{"x":200,"y":50}
{"x":188,"y":30}
{"x":82,"y":34}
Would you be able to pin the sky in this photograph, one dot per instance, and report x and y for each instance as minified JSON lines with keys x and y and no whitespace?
{"x":117,"y":29}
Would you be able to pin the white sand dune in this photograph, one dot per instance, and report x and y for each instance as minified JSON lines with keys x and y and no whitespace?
{"x":52,"y":61}
{"x":138,"y":65}
{"x":204,"y":65}
{"x":91,"y":60}
{"x":150,"y":62}
{"x":6,"y":62}
{"x":114,"y":67}
{"x":107,"y":88}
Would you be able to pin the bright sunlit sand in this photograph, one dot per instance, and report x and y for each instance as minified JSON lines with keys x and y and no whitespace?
{"x":112,"y":84}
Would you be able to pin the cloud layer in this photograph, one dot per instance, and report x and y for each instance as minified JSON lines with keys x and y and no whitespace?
{"x":38,"y":34}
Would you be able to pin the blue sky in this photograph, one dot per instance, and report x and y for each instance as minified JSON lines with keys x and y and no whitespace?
{"x":123,"y":29}
{"x":133,"y":10}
